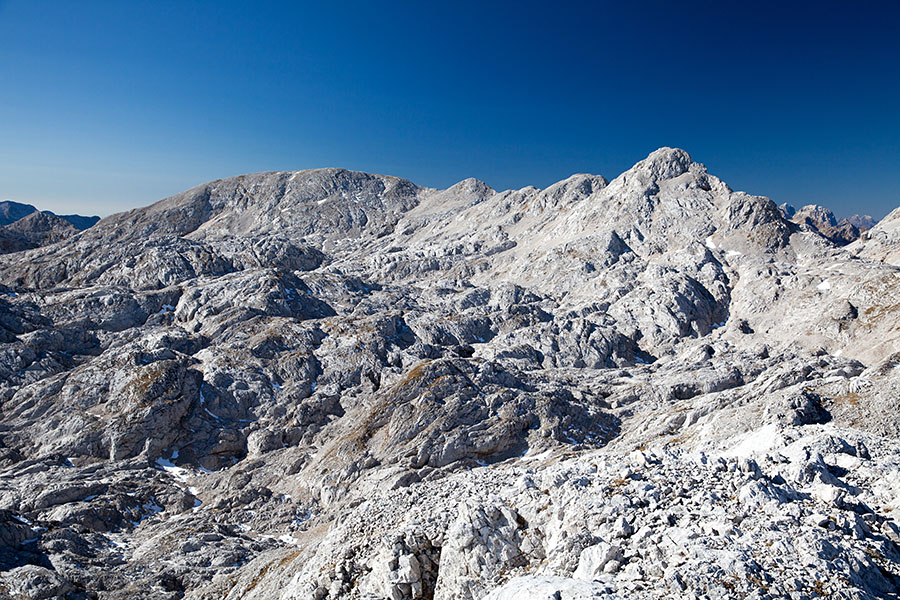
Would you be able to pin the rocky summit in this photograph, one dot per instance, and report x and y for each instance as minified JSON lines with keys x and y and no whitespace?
{"x":328,"y":384}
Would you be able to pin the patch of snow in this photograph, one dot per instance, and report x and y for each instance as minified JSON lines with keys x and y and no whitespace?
{"x":289,"y":539}
{"x":152,"y":509}
{"x":758,"y":441}
{"x":710,"y":244}
{"x":541,"y":456}
{"x":177,"y":472}
{"x":825,"y":285}
{"x":733,"y":253}
{"x":166,"y":308}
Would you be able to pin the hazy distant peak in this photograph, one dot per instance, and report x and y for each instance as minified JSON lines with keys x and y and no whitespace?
{"x":11,"y":211}
{"x":862,"y":222}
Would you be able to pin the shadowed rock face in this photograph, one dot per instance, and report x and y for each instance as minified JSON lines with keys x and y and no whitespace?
{"x":331,"y":384}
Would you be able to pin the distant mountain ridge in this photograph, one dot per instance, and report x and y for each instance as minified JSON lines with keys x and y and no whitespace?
{"x":823,"y":221}
{"x":11,"y":211}
{"x":24,"y":227}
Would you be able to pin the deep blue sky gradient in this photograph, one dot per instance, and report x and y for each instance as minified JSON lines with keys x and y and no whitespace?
{"x":107,"y":105}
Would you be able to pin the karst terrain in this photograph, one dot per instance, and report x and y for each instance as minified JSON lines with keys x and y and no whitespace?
{"x":327,"y":384}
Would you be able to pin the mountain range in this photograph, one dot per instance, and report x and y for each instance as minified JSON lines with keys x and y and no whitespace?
{"x":11,"y":212}
{"x":330,"y":384}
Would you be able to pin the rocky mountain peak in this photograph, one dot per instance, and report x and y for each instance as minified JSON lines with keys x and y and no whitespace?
{"x":815,"y":215}
{"x":665,"y":163}
{"x":471,"y":186}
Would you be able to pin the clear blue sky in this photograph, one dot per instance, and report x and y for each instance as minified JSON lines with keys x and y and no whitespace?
{"x":110,"y":105}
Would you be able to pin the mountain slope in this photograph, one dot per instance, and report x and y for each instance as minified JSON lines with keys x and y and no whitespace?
{"x":882,"y":242}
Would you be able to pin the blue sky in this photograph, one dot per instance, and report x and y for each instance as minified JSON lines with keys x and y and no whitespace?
{"x":110,"y":105}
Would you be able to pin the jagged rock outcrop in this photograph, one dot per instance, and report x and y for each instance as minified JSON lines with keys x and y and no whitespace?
{"x":330,"y":384}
